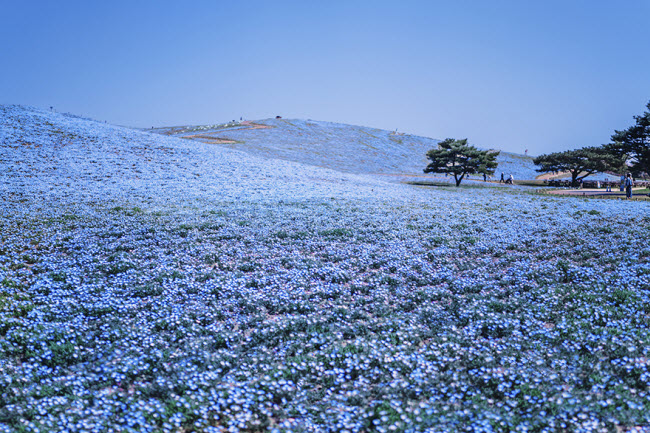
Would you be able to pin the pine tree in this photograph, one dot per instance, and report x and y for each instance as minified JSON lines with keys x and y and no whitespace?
{"x":580,"y":162}
{"x":459,"y":159}
{"x":634,"y":143}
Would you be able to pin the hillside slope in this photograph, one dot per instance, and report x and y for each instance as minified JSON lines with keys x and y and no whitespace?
{"x":346,"y":148}
{"x":52,"y":155}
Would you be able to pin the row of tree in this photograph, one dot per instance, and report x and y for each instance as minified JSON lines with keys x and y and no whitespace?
{"x":581,"y":163}
{"x":628,"y":151}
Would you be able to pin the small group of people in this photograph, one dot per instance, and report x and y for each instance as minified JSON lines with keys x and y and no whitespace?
{"x":510,"y":180}
{"x":627,"y":182}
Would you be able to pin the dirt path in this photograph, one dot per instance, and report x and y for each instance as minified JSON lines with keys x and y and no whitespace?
{"x":206,"y":138}
{"x":592,"y":192}
{"x":553,"y":176}
{"x":213,"y":137}
{"x":549,"y":176}
{"x":254,"y":125}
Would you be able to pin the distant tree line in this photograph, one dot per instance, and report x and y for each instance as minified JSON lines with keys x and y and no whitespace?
{"x":629,"y":151}
{"x":580,"y":163}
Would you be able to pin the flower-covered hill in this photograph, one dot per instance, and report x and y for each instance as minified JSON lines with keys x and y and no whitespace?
{"x":49,"y":154}
{"x":347,"y":148}
{"x":152,"y":284}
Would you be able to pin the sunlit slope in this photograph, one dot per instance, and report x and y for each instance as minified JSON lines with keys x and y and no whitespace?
{"x":54,"y":155}
{"x":347,"y":148}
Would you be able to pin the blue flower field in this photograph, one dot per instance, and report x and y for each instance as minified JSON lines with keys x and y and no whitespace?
{"x":154,"y":284}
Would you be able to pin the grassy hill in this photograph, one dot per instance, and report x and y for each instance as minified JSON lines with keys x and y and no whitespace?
{"x":347,"y":148}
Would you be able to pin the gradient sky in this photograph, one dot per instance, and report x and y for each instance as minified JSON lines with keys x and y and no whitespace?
{"x":544,"y":76}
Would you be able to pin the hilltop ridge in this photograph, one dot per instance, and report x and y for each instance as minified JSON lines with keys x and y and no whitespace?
{"x":342,"y":147}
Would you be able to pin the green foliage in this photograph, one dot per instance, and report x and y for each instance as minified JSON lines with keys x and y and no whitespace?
{"x":634,"y":143}
{"x":15,"y":305}
{"x":459,"y":159}
{"x":565,"y":275}
{"x":128,"y":212}
{"x":580,"y":162}
{"x":58,"y":276}
{"x":336,"y":233}
{"x":116,"y":268}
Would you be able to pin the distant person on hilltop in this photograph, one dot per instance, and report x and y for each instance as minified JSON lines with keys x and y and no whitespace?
{"x":502,"y":180}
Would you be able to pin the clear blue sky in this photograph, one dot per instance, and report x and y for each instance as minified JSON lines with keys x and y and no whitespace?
{"x":544,"y":75}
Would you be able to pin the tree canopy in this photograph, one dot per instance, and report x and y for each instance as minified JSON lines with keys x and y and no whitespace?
{"x":580,"y":162}
{"x":634,"y":143}
{"x":459,"y":159}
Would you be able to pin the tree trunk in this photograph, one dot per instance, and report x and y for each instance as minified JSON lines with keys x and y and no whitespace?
{"x":574,"y":178}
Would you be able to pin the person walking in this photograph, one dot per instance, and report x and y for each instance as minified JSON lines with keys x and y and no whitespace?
{"x":628,"y":186}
